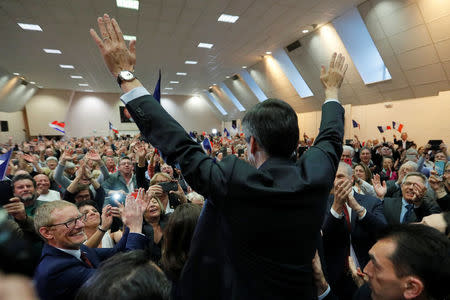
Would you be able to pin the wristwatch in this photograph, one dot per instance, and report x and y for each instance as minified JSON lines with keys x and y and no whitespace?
{"x":125,"y":76}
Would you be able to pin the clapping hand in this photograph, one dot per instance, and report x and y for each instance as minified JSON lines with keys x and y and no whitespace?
{"x":380,"y":189}
{"x":342,"y":189}
{"x":107,"y":217}
{"x":133,"y":211}
{"x":419,"y":192}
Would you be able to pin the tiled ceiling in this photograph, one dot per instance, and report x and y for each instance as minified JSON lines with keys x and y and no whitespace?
{"x":167,"y":31}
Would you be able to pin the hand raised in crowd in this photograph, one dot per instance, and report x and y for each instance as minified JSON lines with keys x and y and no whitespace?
{"x":156,"y":190}
{"x":342,"y":189}
{"x":115,"y":52}
{"x":133,"y":211}
{"x":333,"y":77}
{"x":16,"y":209}
{"x":380,"y":188}
{"x":66,"y":155}
{"x":358,"y":276}
{"x":107,"y":217}
{"x":93,"y":155}
{"x":419,"y":192}
{"x":436,"y":182}
{"x":179,"y":192}
{"x":139,"y":149}
{"x":319,"y":278}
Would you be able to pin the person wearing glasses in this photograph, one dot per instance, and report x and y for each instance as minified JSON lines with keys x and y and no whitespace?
{"x":65,"y":262}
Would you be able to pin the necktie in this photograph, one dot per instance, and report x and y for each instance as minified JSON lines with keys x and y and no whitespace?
{"x":347,"y":217}
{"x":409,"y":210}
{"x":86,"y":260}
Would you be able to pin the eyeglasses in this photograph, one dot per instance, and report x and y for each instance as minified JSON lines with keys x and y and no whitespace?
{"x":72,"y":222}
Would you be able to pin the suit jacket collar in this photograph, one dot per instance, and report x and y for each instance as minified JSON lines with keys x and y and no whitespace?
{"x":275,"y":161}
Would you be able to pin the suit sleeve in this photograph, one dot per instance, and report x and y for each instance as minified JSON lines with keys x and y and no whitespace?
{"x":164,"y":133}
{"x":428,"y":207}
{"x":374,"y":220}
{"x":326,"y":152}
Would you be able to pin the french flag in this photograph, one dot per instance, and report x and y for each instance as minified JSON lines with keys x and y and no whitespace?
{"x":207,"y":146}
{"x":382,"y":128}
{"x":225,"y":131}
{"x":356,"y":124}
{"x":114,"y":129}
{"x":58,"y":126}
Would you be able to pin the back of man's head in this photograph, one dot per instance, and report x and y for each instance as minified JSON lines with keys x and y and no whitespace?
{"x":129,"y":276}
{"x":273,"y":123}
{"x":423,"y":252}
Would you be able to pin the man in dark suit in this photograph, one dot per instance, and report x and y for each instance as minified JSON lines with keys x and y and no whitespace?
{"x":413,"y":205}
{"x":65,"y":262}
{"x":351,"y":224}
{"x":257,"y":234}
{"x":403,"y":142}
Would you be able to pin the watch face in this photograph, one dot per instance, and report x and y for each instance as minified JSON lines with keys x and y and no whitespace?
{"x":126,"y":75}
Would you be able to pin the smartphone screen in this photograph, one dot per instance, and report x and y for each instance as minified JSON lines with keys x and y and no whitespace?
{"x":439,"y":167}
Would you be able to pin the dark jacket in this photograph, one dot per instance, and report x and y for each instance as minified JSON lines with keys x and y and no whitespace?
{"x":393,"y":209}
{"x":233,"y":250}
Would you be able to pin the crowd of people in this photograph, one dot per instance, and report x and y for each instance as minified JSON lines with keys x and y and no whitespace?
{"x":260,"y":215}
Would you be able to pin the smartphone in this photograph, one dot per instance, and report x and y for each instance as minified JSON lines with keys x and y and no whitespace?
{"x":349,"y":142}
{"x":116,"y":198}
{"x":435,"y":144}
{"x":169,"y":186}
{"x":439,"y":167}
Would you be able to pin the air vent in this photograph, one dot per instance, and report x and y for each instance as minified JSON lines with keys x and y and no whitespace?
{"x":291,"y":47}
{"x":235,"y":77}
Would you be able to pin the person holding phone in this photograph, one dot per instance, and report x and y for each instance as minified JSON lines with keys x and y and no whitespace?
{"x":161,"y":186}
{"x":441,"y":186}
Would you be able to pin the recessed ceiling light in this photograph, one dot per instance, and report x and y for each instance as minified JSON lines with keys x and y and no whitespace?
{"x":30,"y":26}
{"x":17,"y":74}
{"x":205,"y":45}
{"x":83,"y":84}
{"x":32,"y":82}
{"x":228,"y":18}
{"x":129,"y":37}
{"x":89,"y":91}
{"x":268,"y":52}
{"x":53,"y":51}
{"x":76,"y":76}
{"x":244,"y":67}
{"x":164,"y":93}
{"x":227,"y":76}
{"x":181,"y":73}
{"x":169,"y":88}
{"x":173,"y":81}
{"x":305,"y":30}
{"x":40,"y":86}
{"x":191,"y":62}
{"x":132,"y":4}
{"x":67,"y":66}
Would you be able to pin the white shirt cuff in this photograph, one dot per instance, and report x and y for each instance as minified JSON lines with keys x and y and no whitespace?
{"x":331,"y":100}
{"x":134,"y":94}
{"x":324,"y":294}
{"x":335,"y":214}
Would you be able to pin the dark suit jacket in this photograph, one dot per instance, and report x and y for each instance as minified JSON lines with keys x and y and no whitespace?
{"x":393,"y":209}
{"x":59,"y":275}
{"x":257,"y":234}
{"x":400,"y":143}
{"x":336,"y":237}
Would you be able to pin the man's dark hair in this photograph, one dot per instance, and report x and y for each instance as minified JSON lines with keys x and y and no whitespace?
{"x":123,"y":158}
{"x":129,"y":275}
{"x":177,"y":238}
{"x":22,"y":177}
{"x":424,"y":252}
{"x":274,"y":125}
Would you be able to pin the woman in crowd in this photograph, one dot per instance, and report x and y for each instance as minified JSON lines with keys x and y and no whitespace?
{"x":363,"y":180}
{"x":155,"y":220}
{"x":388,"y":173}
{"x":97,"y":226}
{"x":177,"y":241}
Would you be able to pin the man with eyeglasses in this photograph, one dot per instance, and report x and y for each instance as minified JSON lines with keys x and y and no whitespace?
{"x":65,"y":262}
{"x":413,"y":205}
{"x":123,"y":181}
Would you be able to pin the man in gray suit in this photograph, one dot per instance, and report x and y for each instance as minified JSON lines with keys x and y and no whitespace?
{"x":413,"y":205}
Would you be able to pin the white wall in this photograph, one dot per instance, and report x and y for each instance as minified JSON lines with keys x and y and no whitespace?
{"x":87,"y":114}
{"x":16,"y":127}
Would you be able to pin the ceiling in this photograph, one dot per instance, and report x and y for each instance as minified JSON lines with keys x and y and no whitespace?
{"x":167,"y":31}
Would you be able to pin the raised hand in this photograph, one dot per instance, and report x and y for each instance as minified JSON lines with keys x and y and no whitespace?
{"x":358,"y":276}
{"x":333,"y":78}
{"x":380,"y":189}
{"x":133,"y":211}
{"x":419,"y":192}
{"x":342,"y":189}
{"x":116,"y":54}
{"x":107,"y":217}
{"x":93,"y":155}
{"x":16,"y":209}
{"x":435,"y":181}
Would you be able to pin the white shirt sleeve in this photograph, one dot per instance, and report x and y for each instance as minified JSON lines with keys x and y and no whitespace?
{"x":324,"y":293}
{"x":134,"y":94}
{"x":335,"y":214}
{"x":331,"y":100}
